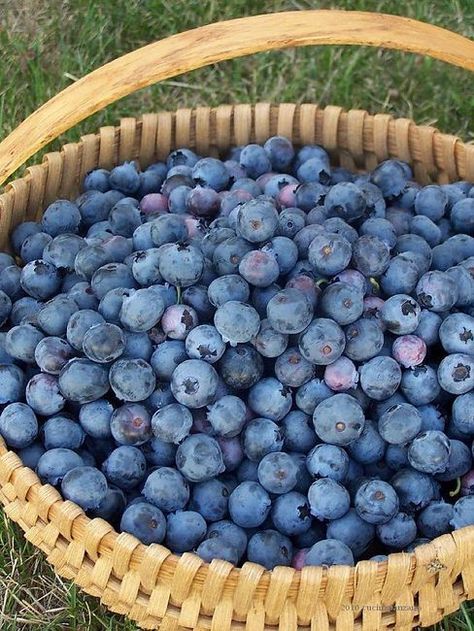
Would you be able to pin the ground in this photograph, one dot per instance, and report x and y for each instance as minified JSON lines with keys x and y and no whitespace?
{"x":47,"y":44}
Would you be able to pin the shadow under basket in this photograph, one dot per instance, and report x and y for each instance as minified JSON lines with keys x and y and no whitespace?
{"x":148,"y":583}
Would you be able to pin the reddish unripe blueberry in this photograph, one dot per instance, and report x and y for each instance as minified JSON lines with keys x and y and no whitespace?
{"x":467,"y":483}
{"x":409,"y":350}
{"x":154,"y":203}
{"x":178,"y":320}
{"x":286,"y":198}
{"x":298,"y":560}
{"x":203,"y":201}
{"x":341,"y":375}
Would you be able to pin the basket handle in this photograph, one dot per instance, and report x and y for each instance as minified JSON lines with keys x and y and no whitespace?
{"x":208,"y":44}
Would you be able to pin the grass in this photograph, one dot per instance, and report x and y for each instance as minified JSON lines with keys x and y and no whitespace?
{"x":46,"y":44}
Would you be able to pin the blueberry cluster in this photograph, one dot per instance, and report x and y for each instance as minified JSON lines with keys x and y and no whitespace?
{"x":262,"y":358}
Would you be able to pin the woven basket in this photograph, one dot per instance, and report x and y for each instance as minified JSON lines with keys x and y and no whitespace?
{"x":149,"y":584}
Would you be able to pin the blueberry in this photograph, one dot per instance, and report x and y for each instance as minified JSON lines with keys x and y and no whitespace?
{"x":345,"y":200}
{"x":227,"y":416}
{"x":83,"y":381}
{"x":21,"y":232}
{"x":166,"y":357}
{"x":141,"y":310}
{"x":277,"y":472}
{"x":158,"y":453}
{"x":456,"y":333}
{"x":130,"y":424}
{"x":298,"y":431}
{"x":329,"y":253}
{"x":210,"y":499}
{"x":137,"y":345}
{"x":364,"y":340}
{"x":199,"y":458}
{"x":329,"y":552}
{"x":211,"y":173}
{"x":205,"y":342}
{"x":79,"y":323}
{"x":144,"y":521}
{"x":33,"y":246}
{"x":289,"y":311}
{"x":230,"y":533}
{"x":103,"y":343}
{"x":241,"y":367}
{"x":400,"y":314}
{"x":18,"y":425}
{"x":339,"y":420}
{"x":61,"y":431}
{"x":376,"y":502}
{"x":352,"y":531}
{"x":456,"y":373}
{"x":269,"y":398}
{"x":55,"y":463}
{"x":463,"y":512}
{"x":328,"y":461}
{"x":380,"y":377}
{"x":228,"y":254}
{"x":178,"y":320}
{"x":431,"y":201}
{"x":125,"y":178}
{"x":112,"y":507}
{"x":434,"y":520}
{"x":184,"y":530}
{"x":180,"y":264}
{"x":194,"y":383}
{"x":342,"y":302}
{"x":61,"y":216}
{"x":400,"y":424}
{"x":39,"y":279}
{"x":420,"y":385}
{"x":270,"y":549}
{"x":167,"y":489}
{"x":112,"y":276}
{"x":369,"y":448}
{"x":83,"y":296}
{"x":261,"y":436}
{"x":132,"y":379}
{"x":86,"y":486}
{"x":328,"y":499}
{"x":429,"y":452}
{"x":43,"y":394}
{"x":125,"y":467}
{"x":21,"y":342}
{"x":461,"y":216}
{"x":95,"y":418}
{"x":391,"y":178}
{"x":168,"y":228}
{"x":322,"y":342}
{"x":400,"y":276}
{"x":172,"y":423}
{"x":310,"y":394}
{"x":237,"y":322}
{"x":31,"y":455}
{"x":249,"y":505}
{"x":217,"y":548}
{"x":437,"y":291}
{"x":341,"y":375}
{"x":290,"y":222}
{"x":399,"y":532}
{"x":415,"y":489}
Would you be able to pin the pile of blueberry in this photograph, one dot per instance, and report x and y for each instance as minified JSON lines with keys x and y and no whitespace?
{"x":263,"y":358}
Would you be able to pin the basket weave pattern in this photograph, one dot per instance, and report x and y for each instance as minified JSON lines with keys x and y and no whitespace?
{"x":148,"y":583}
